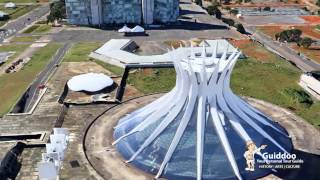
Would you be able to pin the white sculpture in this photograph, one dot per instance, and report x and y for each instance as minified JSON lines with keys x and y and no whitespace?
{"x":200,"y":118}
{"x":55,"y":150}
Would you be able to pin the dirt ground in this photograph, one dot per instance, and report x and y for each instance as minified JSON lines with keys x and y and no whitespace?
{"x":311,"y":19}
{"x":307,"y":30}
{"x":251,"y":49}
{"x":311,"y":52}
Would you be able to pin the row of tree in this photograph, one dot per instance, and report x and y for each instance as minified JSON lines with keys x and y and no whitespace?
{"x":214,"y":10}
{"x":57,"y":11}
{"x":294,"y":35}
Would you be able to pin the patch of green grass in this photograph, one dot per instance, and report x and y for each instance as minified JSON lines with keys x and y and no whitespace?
{"x":268,"y":82}
{"x":25,"y":39}
{"x":13,"y":85}
{"x":30,"y":29}
{"x":2,"y":23}
{"x":317,"y":27}
{"x":112,"y":68}
{"x":37,"y":28}
{"x":80,"y":52}
{"x":156,"y":80}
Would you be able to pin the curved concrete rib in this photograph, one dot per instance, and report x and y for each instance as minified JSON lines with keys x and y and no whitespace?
{"x":193,"y":96}
{"x":202,"y":87}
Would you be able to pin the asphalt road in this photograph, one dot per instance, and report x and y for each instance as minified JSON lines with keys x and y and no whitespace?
{"x":26,"y":103}
{"x":20,"y":23}
{"x":287,"y":53}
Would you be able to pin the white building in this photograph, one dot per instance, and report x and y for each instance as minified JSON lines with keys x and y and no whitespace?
{"x":200,"y":129}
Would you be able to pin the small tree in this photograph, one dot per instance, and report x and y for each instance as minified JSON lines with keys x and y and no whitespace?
{"x":292,"y":35}
{"x":228,"y":21}
{"x":305,"y":42}
{"x":218,"y":14}
{"x":234,"y":11}
{"x":57,"y":11}
{"x":240,"y":28}
{"x":198,"y":2}
{"x":267,"y":8}
{"x":212,"y":10}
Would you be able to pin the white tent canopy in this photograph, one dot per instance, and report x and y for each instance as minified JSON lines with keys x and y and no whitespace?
{"x":124,"y":29}
{"x":10,"y":5}
{"x":2,"y":14}
{"x":90,"y":82}
{"x":137,"y":28}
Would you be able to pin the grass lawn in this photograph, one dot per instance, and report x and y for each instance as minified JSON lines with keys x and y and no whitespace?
{"x":25,"y":39}
{"x":153,"y":80}
{"x":13,"y":85}
{"x":267,"y":80}
{"x":80,"y":52}
{"x":38,"y":28}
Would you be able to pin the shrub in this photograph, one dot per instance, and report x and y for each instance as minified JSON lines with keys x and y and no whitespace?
{"x":57,"y":11}
{"x":228,"y":21}
{"x":234,"y":11}
{"x":292,"y":35}
{"x":305,"y":42}
{"x":240,"y":28}
{"x":212,"y":10}
{"x":198,"y":2}
{"x":218,"y":14}
{"x":267,"y":8}
{"x":299,"y":96}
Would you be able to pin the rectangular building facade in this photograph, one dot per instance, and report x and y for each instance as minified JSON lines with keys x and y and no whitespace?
{"x":96,"y":12}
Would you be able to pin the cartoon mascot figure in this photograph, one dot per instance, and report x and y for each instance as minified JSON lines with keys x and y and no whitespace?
{"x":249,"y":154}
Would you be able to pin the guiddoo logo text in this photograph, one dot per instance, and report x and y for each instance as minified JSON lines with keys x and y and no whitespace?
{"x":275,"y":160}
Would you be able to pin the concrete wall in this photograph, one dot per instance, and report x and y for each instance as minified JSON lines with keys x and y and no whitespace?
{"x":166,"y":11}
{"x":78,"y":11}
{"x":121,"y":11}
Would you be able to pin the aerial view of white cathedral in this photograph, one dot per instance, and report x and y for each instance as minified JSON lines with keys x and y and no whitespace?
{"x":98,"y":12}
